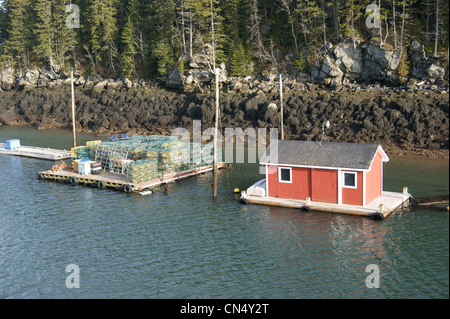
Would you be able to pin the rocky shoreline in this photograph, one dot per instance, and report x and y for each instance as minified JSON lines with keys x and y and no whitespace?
{"x":408,"y":120}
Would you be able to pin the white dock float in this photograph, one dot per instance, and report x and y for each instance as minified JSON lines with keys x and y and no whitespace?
{"x":36,"y":152}
{"x":390,"y":201}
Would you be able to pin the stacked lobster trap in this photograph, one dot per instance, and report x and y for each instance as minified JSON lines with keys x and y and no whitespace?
{"x":144,"y":158}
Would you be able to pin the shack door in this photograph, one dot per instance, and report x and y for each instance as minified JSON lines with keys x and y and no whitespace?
{"x":324,"y":185}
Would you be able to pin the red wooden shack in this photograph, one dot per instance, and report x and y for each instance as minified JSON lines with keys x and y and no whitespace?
{"x":330,"y":172}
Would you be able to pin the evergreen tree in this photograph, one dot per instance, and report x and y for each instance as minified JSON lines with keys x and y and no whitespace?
{"x":3,"y":22}
{"x":403,"y":68}
{"x":348,"y":27}
{"x":101,"y":19}
{"x":289,"y":7}
{"x":235,"y":14}
{"x":208,"y":18}
{"x":239,"y":61}
{"x":299,"y":62}
{"x":148,"y":37}
{"x":64,"y":37}
{"x":256,"y":37}
{"x":403,"y":17}
{"x":129,"y":50}
{"x":44,"y":32}
{"x":165,"y":58}
{"x":311,"y":15}
{"x":15,"y":48}
{"x":163,"y":37}
{"x":137,"y":16}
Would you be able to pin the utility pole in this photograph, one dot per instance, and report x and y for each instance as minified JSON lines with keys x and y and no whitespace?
{"x":216,"y":71}
{"x":73,"y":109}
{"x":281,"y":106}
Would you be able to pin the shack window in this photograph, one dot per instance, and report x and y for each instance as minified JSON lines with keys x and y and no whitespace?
{"x":350,"y":180}
{"x":285,"y":174}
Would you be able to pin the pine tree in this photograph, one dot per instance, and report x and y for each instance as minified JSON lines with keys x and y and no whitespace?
{"x":289,"y":7}
{"x":15,"y":48}
{"x":44,"y":32}
{"x":403,"y":17}
{"x":403,"y":68}
{"x":140,"y":39}
{"x":239,"y":61}
{"x":152,"y":35}
{"x":311,"y":15}
{"x":299,"y":62}
{"x":164,"y":57}
{"x":348,"y":22}
{"x":235,"y":14}
{"x":164,"y":37}
{"x":101,"y":19}
{"x":64,"y":37}
{"x":3,"y":22}
{"x":208,"y":19}
{"x":129,"y":50}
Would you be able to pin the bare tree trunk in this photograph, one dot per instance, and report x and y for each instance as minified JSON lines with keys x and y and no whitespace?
{"x":286,"y":7}
{"x":436,"y":36}
{"x":403,"y":25}
{"x":324,"y":25}
{"x":50,"y":61}
{"x":353,"y":28}
{"x":427,"y":26}
{"x":74,"y":59}
{"x":91,"y":58}
{"x":139,"y":42}
{"x":305,"y":29}
{"x":255,"y":33}
{"x":381,"y":28}
{"x":294,"y":36}
{"x":182,"y":26}
{"x":111,"y":60}
{"x":190,"y":35}
{"x":387,"y":28}
{"x":394,"y":26}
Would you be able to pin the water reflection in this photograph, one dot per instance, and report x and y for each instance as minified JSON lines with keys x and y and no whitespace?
{"x":187,"y":245}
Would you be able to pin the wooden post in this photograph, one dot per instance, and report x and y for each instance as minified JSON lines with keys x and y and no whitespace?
{"x":281,"y":106}
{"x":215,"y":134}
{"x":73,"y":109}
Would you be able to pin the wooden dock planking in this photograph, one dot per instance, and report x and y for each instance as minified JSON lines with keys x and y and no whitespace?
{"x":390,"y":201}
{"x":111,"y":180}
{"x":37,"y":152}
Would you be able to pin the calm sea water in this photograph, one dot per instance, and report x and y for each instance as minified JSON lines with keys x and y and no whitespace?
{"x":184,"y":244}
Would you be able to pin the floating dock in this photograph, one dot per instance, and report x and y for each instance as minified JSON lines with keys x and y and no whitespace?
{"x":36,"y":152}
{"x":132,"y":163}
{"x":116,"y":181}
{"x":379,"y":208}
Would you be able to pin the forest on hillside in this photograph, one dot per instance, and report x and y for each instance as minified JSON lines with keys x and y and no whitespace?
{"x":147,"y":38}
